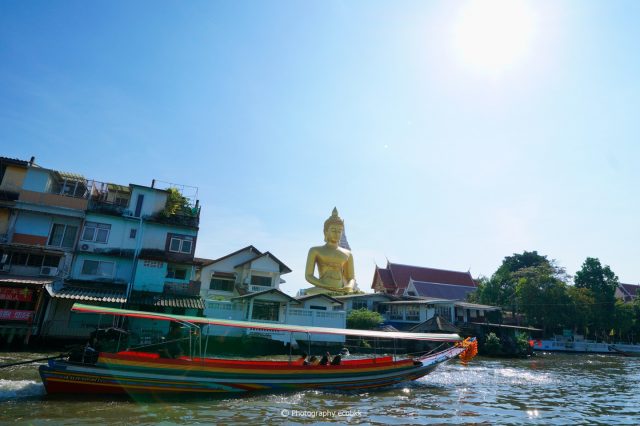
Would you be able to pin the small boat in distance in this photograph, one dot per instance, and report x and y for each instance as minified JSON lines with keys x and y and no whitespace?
{"x":578,"y":344}
{"x":138,"y":372}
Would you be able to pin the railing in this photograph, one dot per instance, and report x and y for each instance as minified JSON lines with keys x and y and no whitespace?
{"x":332,"y":315}
{"x":413,"y":318}
{"x":301,"y":312}
{"x":192,"y":288}
{"x":100,"y":206}
{"x":257,"y":288}
{"x":192,"y":218}
{"x":57,"y":200}
{"x":62,"y":328}
{"x":396,"y":317}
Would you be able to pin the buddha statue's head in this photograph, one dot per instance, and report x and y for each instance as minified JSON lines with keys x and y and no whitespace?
{"x":333,"y":228}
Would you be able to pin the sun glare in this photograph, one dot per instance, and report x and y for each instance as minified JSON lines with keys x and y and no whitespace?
{"x":494,"y":35}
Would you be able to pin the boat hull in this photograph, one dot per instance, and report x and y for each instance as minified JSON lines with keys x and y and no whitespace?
{"x":586,"y":347}
{"x":130,"y":373}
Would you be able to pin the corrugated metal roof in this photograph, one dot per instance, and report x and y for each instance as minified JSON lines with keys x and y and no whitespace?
{"x":435,"y":324}
{"x":442,"y":291}
{"x":14,"y":279}
{"x":91,"y":293}
{"x":71,"y":176}
{"x":119,"y":188}
{"x":468,"y":305}
{"x":168,"y":301}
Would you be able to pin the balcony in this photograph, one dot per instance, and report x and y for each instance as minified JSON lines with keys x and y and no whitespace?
{"x":56,"y":200}
{"x":257,"y":288}
{"x":191,"y":288}
{"x":105,"y":207}
{"x":190,"y":218}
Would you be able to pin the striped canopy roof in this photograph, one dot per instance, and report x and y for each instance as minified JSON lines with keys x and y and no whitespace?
{"x":77,"y":307}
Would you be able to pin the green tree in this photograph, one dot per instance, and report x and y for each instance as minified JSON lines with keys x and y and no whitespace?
{"x":176,"y":203}
{"x":541,"y":296}
{"x":579,"y":309}
{"x":363,"y":319}
{"x":492,"y":344}
{"x":502,"y":288}
{"x":624,"y":320}
{"x":603,"y":283}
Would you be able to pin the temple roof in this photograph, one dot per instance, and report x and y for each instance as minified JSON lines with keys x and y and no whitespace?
{"x":396,"y":276}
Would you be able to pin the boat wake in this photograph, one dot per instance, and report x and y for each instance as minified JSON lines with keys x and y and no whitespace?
{"x":10,"y":389}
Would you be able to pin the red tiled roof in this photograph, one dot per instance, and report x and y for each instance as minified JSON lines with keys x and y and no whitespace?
{"x":385,"y":278}
{"x":402,"y":274}
{"x":630,"y":290}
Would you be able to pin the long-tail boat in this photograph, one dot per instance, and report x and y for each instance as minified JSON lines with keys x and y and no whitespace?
{"x":137,"y":372}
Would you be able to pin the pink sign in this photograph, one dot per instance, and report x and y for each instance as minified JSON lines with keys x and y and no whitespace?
{"x":16,"y":294}
{"x":15,"y":315}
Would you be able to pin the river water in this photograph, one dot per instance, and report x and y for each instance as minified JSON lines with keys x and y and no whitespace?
{"x":546,"y":389}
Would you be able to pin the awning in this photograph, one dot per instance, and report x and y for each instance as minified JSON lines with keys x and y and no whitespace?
{"x":22,"y":280}
{"x":435,"y":324}
{"x":117,"y":188}
{"x":89,"y":293}
{"x":71,"y":176}
{"x":167,"y":301}
{"x":264,"y":326}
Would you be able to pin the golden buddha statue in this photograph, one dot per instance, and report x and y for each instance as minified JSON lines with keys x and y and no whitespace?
{"x":335,"y":263}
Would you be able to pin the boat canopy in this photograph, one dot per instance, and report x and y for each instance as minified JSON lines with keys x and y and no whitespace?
{"x":438,"y":337}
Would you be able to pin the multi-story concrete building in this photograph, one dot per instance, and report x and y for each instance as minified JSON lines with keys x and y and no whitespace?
{"x":136,"y":245}
{"x":41,"y":213}
{"x":65,"y":238}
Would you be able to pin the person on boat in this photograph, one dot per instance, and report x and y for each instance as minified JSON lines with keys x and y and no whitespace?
{"x":344,"y":352}
{"x":314,"y":360}
{"x":303,"y":359}
{"x":336,"y":360}
{"x":325,"y":359}
{"x":173,"y":349}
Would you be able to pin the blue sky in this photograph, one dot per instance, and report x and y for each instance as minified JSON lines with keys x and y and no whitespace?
{"x":446,"y":136}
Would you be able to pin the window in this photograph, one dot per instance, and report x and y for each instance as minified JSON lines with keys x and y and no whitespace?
{"x":98,"y":268}
{"x":319,"y":308}
{"x":153,"y":264}
{"x":133,"y":232}
{"x":35,"y":260}
{"x":443,"y":311}
{"x":139,"y":202}
{"x":262,"y":281}
{"x":51,"y":261}
{"x":176,"y":272}
{"x":268,"y":311}
{"x":98,"y":232}
{"x":62,"y":235}
{"x":413,"y":313}
{"x":19,"y":259}
{"x":359,"y":304}
{"x":395,"y":313}
{"x":181,"y":244}
{"x":221,"y":284}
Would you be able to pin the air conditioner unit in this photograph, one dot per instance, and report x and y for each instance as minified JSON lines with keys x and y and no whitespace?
{"x":85,"y":247}
{"x":5,"y":267}
{"x":49,"y":271}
